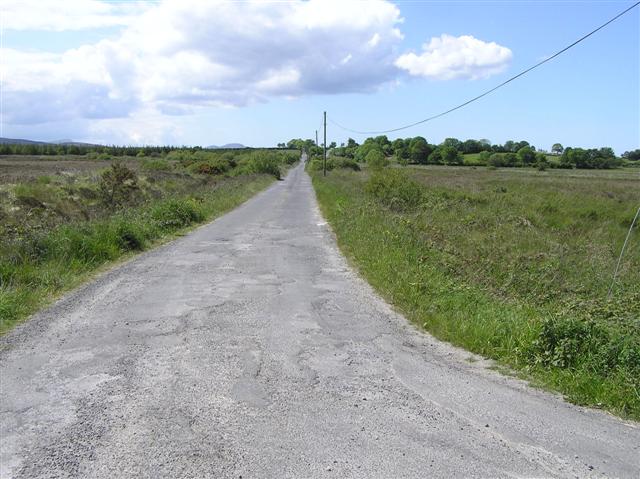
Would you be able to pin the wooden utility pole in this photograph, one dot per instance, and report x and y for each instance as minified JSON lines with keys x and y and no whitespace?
{"x":316,"y":137}
{"x":324,"y":163}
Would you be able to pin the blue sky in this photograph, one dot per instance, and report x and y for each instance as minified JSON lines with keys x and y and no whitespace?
{"x":188,"y":72}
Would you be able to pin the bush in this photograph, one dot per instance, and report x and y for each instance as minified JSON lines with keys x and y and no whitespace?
{"x":376,"y":159}
{"x":130,"y":237}
{"x":156,"y":165}
{"x":118,"y":185}
{"x":395,"y":189}
{"x":176,"y":213}
{"x":215,"y":166}
{"x":346,"y":163}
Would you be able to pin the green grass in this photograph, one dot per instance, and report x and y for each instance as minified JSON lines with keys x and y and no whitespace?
{"x":37,"y":270}
{"x":56,"y":231}
{"x":511,"y":264}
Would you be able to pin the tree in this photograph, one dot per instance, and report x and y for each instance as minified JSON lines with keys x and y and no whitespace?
{"x":452,"y":143}
{"x":472,"y":146}
{"x":450,"y":155}
{"x":633,"y":155}
{"x":363,"y":150}
{"x":526,"y":155}
{"x":557,"y":149}
{"x":419,"y":150}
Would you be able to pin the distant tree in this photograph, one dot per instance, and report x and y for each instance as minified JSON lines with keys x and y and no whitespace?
{"x":526,"y":155}
{"x":557,"y":149}
{"x":363,"y":150}
{"x":419,"y":150}
{"x":633,"y":155}
{"x":510,"y":146}
{"x":452,"y":143}
{"x":332,"y":144}
{"x":471,"y":146}
{"x":435,"y":158}
{"x":450,"y":155}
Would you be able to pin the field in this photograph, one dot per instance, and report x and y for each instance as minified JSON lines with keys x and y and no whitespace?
{"x":514,"y":264}
{"x":63,"y":218}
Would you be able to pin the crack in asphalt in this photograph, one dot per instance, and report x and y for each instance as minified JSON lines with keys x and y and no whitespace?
{"x":249,"y":348}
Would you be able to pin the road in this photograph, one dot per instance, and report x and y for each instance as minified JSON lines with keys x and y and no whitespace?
{"x":249,"y":348}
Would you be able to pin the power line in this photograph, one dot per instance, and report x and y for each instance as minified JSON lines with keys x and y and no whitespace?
{"x":494,"y":88}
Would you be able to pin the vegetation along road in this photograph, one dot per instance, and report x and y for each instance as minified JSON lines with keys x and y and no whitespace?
{"x":249,"y":348}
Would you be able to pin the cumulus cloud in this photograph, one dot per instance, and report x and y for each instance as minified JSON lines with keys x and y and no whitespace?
{"x":172,"y":57}
{"x":448,"y":57}
{"x":183,"y":54}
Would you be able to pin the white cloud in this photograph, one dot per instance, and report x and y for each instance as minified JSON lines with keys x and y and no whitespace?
{"x":182,"y":54}
{"x":54,"y":15}
{"x":448,"y":57}
{"x":172,"y":57}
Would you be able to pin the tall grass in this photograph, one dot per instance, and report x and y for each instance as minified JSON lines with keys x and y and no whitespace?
{"x":37,"y":268}
{"x":512,"y":265}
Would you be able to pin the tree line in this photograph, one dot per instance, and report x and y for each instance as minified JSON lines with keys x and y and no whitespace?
{"x":452,"y":151}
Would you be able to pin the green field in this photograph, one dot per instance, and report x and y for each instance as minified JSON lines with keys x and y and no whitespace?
{"x":514,"y":264}
{"x":64,"y":218}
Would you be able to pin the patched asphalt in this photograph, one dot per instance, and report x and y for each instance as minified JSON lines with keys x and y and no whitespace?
{"x":249,"y":348}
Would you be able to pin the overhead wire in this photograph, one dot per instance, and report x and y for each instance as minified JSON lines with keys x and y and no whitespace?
{"x":476,"y":98}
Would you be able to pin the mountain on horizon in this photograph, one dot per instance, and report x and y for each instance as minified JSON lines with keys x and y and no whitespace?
{"x":22,"y":141}
{"x":227,"y":146}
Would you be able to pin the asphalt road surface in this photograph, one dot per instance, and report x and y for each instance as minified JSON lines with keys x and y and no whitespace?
{"x":249,"y":348}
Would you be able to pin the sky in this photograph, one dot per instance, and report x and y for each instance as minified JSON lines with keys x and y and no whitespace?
{"x":187,"y":72}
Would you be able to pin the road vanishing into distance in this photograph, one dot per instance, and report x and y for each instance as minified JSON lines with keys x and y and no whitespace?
{"x":249,"y":348}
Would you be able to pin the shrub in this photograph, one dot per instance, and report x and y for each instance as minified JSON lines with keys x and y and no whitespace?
{"x":130,"y":237}
{"x":376,"y":159}
{"x":395,"y":189}
{"x":118,"y":185}
{"x":346,"y":163}
{"x":215,"y":166}
{"x":264,"y":162}
{"x":156,"y":165}
{"x":176,"y":213}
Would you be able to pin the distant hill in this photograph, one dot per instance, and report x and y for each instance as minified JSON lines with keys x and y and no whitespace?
{"x":228,"y":146}
{"x":20,"y":141}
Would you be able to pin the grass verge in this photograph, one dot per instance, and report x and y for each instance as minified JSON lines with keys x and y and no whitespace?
{"x":34,"y":272}
{"x":512,"y":267}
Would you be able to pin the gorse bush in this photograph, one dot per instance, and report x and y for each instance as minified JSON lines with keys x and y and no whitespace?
{"x":395,"y":190}
{"x":215,"y":166}
{"x":118,"y":185}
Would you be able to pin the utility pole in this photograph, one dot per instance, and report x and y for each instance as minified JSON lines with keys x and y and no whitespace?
{"x":324,"y":163}
{"x":316,"y":137}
